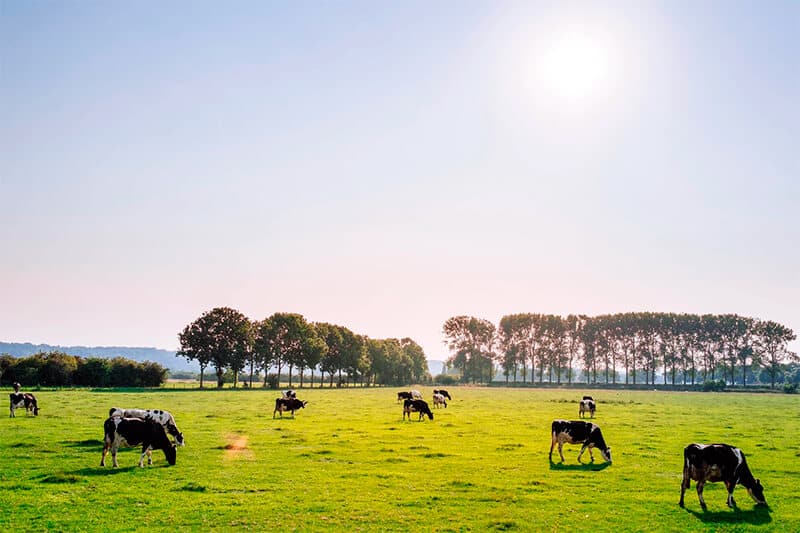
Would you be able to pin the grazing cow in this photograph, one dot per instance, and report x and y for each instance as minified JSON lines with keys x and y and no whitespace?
{"x":438,"y":400}
{"x":287,"y":404}
{"x":403,"y":396}
{"x":290,"y":393}
{"x":443,"y":393}
{"x":718,"y":462}
{"x":23,"y":399}
{"x":586,"y":406}
{"x":132,"y":432}
{"x":415,"y":394}
{"x":416,"y":406}
{"x":164,"y":418}
{"x":578,"y":432}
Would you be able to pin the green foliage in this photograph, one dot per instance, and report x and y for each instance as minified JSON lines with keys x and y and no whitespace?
{"x":476,"y":467}
{"x":58,"y":369}
{"x":790,"y":388}
{"x":444,"y":379}
{"x":717,"y":385}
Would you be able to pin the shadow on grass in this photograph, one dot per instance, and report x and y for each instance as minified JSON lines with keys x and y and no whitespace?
{"x":108,"y":470}
{"x":90,"y":443}
{"x":585,"y":467}
{"x":756,"y":516}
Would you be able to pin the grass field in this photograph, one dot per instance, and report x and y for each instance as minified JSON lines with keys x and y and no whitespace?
{"x":348,"y":461}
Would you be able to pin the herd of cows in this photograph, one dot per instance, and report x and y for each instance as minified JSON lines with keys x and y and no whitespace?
{"x":152,"y":428}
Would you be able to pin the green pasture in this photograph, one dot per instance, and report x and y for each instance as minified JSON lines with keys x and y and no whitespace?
{"x":348,"y":461}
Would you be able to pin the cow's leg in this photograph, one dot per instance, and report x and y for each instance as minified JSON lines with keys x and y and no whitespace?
{"x":561,"y":453}
{"x":730,"y":485}
{"x":686,"y":482}
{"x":700,"y":485}
{"x":552,"y":445}
{"x":591,"y":457}
{"x":114,"y":456}
{"x":105,"y":452}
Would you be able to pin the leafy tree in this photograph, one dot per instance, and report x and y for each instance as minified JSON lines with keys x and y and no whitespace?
{"x":92,"y":372}
{"x":221,"y":338}
{"x":287,"y":335}
{"x":772,"y":343}
{"x":473,"y":341}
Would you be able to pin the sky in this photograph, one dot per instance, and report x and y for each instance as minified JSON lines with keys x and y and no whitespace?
{"x":387,"y":165}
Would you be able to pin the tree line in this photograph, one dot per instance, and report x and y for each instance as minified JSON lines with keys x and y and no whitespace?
{"x":225,"y":340}
{"x":685,"y":348}
{"x":59,"y":369}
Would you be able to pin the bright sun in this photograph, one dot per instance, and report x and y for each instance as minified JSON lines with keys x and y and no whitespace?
{"x":576,"y":68}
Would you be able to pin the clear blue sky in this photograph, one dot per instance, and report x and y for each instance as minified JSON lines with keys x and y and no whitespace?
{"x":387,"y":165}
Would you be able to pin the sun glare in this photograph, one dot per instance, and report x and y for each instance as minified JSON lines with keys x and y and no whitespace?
{"x":576,"y":67}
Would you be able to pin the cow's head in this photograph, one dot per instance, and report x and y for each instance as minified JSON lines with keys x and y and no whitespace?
{"x":305,"y":402}
{"x":757,"y":493}
{"x":170,"y":454}
{"x":606,"y":454}
{"x":35,"y":410}
{"x":172,"y":429}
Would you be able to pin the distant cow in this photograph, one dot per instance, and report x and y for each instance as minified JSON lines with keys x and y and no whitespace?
{"x":164,"y":418}
{"x":439,"y":400}
{"x":416,"y":406}
{"x":586,"y":406}
{"x":443,"y":393}
{"x":287,"y":404}
{"x":132,"y":432}
{"x":578,"y":432}
{"x":403,"y":396}
{"x":718,"y":462}
{"x":290,"y":393}
{"x":588,"y":398}
{"x":23,"y":399}
{"x":415,"y":394}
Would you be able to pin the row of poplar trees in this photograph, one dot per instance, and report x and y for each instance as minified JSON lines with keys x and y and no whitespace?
{"x":226,"y":340}
{"x":684,"y":347}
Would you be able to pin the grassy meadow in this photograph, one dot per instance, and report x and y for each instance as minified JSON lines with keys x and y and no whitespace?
{"x":349,"y":461}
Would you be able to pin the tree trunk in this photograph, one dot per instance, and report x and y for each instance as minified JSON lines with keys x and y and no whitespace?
{"x":220,"y":377}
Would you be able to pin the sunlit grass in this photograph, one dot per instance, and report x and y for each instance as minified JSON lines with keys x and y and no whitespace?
{"x":348,"y":461}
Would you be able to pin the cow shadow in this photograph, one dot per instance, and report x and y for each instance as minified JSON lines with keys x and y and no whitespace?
{"x":108,"y":470}
{"x":89,"y":443}
{"x":758,"y":515}
{"x":583,"y":467}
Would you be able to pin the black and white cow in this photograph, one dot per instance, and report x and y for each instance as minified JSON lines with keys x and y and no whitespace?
{"x":290,"y":393}
{"x":443,"y":393}
{"x":578,"y":432}
{"x":403,"y":395}
{"x":586,"y":406}
{"x":439,"y":400}
{"x":164,"y":418}
{"x":23,"y":399}
{"x":132,"y":432}
{"x":415,"y":394}
{"x":718,"y":462}
{"x":416,"y":406}
{"x":288,"y":404}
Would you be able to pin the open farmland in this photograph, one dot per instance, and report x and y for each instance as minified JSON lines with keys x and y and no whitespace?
{"x":348,"y":461}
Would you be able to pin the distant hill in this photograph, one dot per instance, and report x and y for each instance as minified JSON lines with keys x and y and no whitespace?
{"x":165,"y":358}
